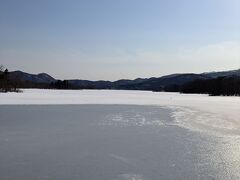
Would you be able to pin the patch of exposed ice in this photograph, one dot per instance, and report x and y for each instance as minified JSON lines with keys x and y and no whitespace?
{"x":129,"y":176}
{"x":120,"y":158}
{"x":132,"y":118}
{"x":212,"y":123}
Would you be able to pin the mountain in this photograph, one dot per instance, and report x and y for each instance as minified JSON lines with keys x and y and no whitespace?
{"x":33,"y":78}
{"x":167,"y":83}
{"x":158,"y":84}
{"x":223,"y":73}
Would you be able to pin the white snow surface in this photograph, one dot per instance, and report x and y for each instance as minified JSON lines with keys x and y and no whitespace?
{"x":199,"y":112}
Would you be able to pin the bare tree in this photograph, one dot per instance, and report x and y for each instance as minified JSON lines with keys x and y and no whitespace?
{"x":1,"y":68}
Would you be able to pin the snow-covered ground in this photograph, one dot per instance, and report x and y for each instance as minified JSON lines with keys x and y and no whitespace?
{"x":220,"y":114}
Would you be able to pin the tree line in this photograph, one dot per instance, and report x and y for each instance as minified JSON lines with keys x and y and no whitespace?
{"x":7,"y":85}
{"x":224,"y":86}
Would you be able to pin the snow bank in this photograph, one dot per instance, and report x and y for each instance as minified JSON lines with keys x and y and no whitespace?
{"x":221,"y":113}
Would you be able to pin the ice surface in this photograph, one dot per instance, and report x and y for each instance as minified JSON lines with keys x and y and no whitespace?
{"x":198,"y":112}
{"x":61,"y":142}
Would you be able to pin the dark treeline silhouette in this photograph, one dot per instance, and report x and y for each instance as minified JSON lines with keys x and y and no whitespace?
{"x":65,"y":84}
{"x":60,"y":84}
{"x":6,"y":84}
{"x":225,"y":86}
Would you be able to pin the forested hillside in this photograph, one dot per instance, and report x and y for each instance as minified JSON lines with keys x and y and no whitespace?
{"x":225,"y":83}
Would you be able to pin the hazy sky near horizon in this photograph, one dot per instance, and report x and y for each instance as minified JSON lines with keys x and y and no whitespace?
{"x":113,"y":39}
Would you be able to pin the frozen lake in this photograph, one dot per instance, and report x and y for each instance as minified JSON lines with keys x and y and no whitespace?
{"x":115,"y":142}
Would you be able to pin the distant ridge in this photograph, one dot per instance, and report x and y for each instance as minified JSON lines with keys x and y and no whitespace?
{"x":223,"y":73}
{"x":35,"y":78}
{"x":154,"y":83}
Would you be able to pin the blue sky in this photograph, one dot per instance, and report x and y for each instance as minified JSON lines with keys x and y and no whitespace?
{"x":113,"y":39}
